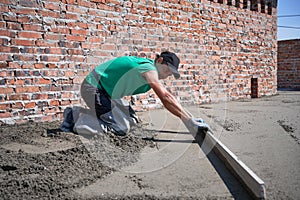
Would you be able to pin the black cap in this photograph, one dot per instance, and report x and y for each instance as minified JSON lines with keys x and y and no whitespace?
{"x":172,"y":61}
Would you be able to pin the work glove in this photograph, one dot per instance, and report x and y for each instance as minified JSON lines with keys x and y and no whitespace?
{"x":196,"y":124}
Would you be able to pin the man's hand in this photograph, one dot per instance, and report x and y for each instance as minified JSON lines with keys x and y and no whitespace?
{"x":194,"y":125}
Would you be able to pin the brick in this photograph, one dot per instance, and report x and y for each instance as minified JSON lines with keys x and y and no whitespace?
{"x":24,"y":11}
{"x":44,"y":43}
{"x":39,"y":65}
{"x":4,"y":8}
{"x":72,"y":44}
{"x":14,"y":26}
{"x":2,"y":24}
{"x":17,"y":105}
{"x":55,"y":88}
{"x":14,"y":65}
{"x":8,"y":2}
{"x":26,"y":34}
{"x":61,"y":30}
{"x":28,"y":3}
{"x":8,"y":33}
{"x":24,"y":19}
{"x":47,"y":13}
{"x":75,"y":38}
{"x":42,"y":104}
{"x":6,"y":90}
{"x":76,"y":58}
{"x":51,"y":58}
{"x":73,"y":8}
{"x":32,"y":27}
{"x":82,"y":25}
{"x":5,"y":49}
{"x":51,"y":6}
{"x":24,"y":57}
{"x":42,"y":81}
{"x":31,"y":50}
{"x":71,"y":16}
{"x":98,"y":1}
{"x":54,"y":51}
{"x":22,"y":42}
{"x":70,"y":1}
{"x":75,"y":52}
{"x":54,"y":103}
{"x":27,"y":89}
{"x":10,"y":18}
{"x":66,"y":95}
{"x":29,"y":105}
{"x":79,"y":32}
{"x":4,"y":106}
{"x":5,"y":57}
{"x":3,"y":73}
{"x":108,"y":47}
{"x":17,"y":82}
{"x":5,"y":115}
{"x":71,"y":24}
{"x":39,"y":96}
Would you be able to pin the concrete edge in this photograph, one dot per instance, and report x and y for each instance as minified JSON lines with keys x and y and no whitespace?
{"x":240,"y":170}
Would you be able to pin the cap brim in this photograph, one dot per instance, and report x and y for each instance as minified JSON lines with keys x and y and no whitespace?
{"x":176,"y":74}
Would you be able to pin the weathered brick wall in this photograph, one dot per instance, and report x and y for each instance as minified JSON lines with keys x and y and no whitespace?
{"x":49,"y":46}
{"x":288,"y":73}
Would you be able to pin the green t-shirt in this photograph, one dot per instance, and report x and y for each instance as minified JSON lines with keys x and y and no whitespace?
{"x":122,"y":76}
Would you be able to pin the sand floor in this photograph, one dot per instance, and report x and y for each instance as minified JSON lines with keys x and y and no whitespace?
{"x":158,"y":160}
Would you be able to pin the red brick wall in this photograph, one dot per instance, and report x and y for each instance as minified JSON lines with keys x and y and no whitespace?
{"x":288,"y":73}
{"x":49,"y":46}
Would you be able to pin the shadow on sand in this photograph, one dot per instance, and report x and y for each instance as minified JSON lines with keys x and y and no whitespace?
{"x":233,"y":185}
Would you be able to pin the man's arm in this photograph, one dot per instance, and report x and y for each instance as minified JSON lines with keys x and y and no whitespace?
{"x":168,"y":100}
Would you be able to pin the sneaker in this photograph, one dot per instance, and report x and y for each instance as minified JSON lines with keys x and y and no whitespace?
{"x":66,"y":127}
{"x":85,"y":130}
{"x":68,"y":123}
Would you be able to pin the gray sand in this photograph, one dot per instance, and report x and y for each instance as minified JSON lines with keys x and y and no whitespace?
{"x":159,"y":160}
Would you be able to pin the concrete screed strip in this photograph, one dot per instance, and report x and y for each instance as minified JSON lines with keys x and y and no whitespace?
{"x":244,"y":174}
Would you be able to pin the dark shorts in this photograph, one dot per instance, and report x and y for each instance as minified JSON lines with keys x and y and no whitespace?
{"x":96,"y":99}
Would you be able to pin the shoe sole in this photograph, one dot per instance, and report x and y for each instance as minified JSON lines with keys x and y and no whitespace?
{"x":85,"y":130}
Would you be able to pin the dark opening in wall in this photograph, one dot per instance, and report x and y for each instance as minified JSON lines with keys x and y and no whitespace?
{"x":270,"y":8}
{"x":229,"y":2}
{"x":237,"y":3}
{"x":245,"y":4}
{"x":253,"y":5}
{"x":220,"y":1}
{"x":254,"y":88}
{"x":263,"y":6}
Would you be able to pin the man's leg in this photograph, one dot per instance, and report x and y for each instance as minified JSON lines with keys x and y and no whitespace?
{"x":117,"y":113}
{"x":86,"y":120}
{"x":98,"y":101}
{"x":120,"y":118}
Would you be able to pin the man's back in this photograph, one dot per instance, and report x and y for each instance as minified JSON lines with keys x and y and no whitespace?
{"x":122,"y":76}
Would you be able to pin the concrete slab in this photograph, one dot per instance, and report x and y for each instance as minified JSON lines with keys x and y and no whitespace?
{"x":265,"y":134}
{"x":177,"y":167}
